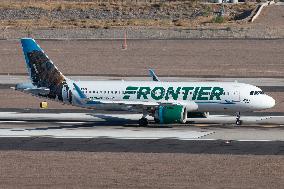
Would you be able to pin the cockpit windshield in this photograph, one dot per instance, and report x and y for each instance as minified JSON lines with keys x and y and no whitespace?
{"x":256,"y":92}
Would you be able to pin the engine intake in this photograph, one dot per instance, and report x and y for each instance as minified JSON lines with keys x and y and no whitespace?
{"x":171,"y":114}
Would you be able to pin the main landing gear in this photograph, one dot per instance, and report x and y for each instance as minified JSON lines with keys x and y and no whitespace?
{"x":238,"y":119}
{"x":143,"y":122}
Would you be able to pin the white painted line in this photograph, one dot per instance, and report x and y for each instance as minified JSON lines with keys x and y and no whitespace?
{"x":20,"y":136}
{"x":106,"y":133}
{"x":74,"y":122}
{"x":256,"y":140}
{"x":129,"y":138}
{"x":12,"y":121}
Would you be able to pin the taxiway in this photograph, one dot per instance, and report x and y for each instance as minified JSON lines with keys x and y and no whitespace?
{"x":118,"y":132}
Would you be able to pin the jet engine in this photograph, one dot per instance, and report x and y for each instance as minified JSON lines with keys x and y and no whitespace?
{"x":174,"y":113}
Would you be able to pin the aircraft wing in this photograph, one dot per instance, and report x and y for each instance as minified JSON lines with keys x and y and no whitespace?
{"x":127,"y":103}
{"x":139,"y":103}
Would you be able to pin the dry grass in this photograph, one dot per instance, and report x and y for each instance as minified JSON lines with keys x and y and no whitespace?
{"x":45,"y":22}
{"x":123,"y":6}
{"x":111,"y":4}
{"x":47,"y":5}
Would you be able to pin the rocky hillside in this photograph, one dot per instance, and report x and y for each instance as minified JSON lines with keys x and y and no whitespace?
{"x":115,"y":13}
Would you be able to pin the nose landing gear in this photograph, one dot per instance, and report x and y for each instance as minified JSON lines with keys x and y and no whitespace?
{"x":238,"y":119}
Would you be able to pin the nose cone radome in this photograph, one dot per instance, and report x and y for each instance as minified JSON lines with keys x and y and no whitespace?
{"x":269,"y":102}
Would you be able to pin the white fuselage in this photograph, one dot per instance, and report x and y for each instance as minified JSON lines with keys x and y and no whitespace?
{"x":206,"y":96}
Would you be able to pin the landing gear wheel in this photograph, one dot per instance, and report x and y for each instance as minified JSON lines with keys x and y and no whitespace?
{"x":238,"y":122}
{"x":156,"y":120}
{"x":143,"y":122}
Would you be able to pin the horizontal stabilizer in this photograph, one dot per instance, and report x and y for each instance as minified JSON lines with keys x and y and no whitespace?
{"x":30,"y":88}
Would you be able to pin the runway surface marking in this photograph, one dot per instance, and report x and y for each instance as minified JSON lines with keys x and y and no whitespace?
{"x":124,"y":126}
{"x":104,"y":133}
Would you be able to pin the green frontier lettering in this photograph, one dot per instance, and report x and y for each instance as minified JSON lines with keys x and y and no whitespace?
{"x":186,"y":91}
{"x":216,"y":92}
{"x":202,"y":92}
{"x":129,"y":90}
{"x":143,"y":92}
{"x":195,"y":93}
{"x":159,"y":93}
{"x":173,"y":93}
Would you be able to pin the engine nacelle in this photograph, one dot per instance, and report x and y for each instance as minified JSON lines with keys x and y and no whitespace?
{"x":171,"y":114}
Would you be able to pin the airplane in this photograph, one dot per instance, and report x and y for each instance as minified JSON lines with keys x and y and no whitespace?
{"x":166,"y":102}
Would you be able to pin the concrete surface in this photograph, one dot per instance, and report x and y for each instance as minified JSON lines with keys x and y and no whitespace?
{"x":124,"y":126}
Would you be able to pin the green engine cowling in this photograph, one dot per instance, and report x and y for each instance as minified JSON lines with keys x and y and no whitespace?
{"x":172,"y":114}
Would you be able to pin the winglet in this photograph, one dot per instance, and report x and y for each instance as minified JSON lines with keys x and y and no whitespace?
{"x":80,"y":93}
{"x":153,"y":75}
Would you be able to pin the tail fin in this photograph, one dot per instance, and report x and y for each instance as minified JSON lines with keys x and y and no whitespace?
{"x":42,"y":71}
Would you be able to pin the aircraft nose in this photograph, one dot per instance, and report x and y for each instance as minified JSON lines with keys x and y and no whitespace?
{"x":270,"y":102}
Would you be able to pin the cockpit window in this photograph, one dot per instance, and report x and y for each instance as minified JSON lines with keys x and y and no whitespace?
{"x":256,"y":92}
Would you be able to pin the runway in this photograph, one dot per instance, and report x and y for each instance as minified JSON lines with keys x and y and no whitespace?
{"x":118,"y":132}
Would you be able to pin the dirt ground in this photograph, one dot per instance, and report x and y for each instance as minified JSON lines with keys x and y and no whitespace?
{"x":271,"y":17}
{"x":190,"y":58}
{"x":15,"y":99}
{"x":28,"y":169}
